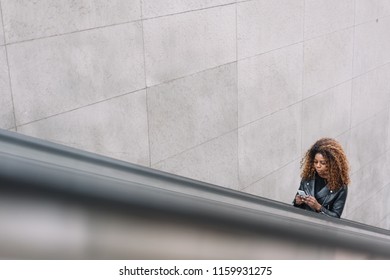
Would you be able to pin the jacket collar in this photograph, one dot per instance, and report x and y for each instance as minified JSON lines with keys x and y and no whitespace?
{"x":311,"y":187}
{"x":323,"y":192}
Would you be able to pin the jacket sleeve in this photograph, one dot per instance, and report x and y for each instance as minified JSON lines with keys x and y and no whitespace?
{"x":338,"y":205}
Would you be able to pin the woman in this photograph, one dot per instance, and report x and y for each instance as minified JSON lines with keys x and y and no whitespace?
{"x":325,"y":177}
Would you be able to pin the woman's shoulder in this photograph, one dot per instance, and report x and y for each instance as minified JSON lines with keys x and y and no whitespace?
{"x":342,"y":189}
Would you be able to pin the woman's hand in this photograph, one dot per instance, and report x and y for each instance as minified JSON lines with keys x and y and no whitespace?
{"x":298,"y":199}
{"x":312,"y":202}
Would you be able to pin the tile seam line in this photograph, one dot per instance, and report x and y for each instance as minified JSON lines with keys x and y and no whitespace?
{"x":9,"y":70}
{"x":347,"y":27}
{"x":2,"y":22}
{"x":81,"y":107}
{"x":370,"y":162}
{"x":145,"y":82}
{"x":294,"y":43}
{"x":72,"y":32}
{"x":371,"y":20}
{"x":110,"y":25}
{"x":188,"y":11}
{"x":303,"y":73}
{"x":270,"y":51}
{"x":194,"y":147}
{"x":191,"y":74}
{"x":370,"y":118}
{"x":330,"y":33}
{"x":272,"y":172}
{"x":271,"y":114}
{"x":237,"y":100}
{"x":353,"y":64}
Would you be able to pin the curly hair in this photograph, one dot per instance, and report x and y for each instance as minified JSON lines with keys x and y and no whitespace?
{"x":337,"y":163}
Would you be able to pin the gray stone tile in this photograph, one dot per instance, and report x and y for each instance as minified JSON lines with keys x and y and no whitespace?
{"x":268,"y":144}
{"x":269,"y":82}
{"x":367,"y":181}
{"x":328,"y":61}
{"x":1,"y":31}
{"x":152,"y":8}
{"x":368,"y":140}
{"x":388,"y":132}
{"x":184,"y":44}
{"x":375,"y":208}
{"x":24,"y":20}
{"x":326,"y":16}
{"x":368,"y":10}
{"x":371,"y":45}
{"x":187,"y":112}
{"x":385,"y":200}
{"x":213,"y":162}
{"x":280,"y":185}
{"x":326,"y":114}
{"x":58,"y":74}
{"x":6,"y":112}
{"x":264,"y":25}
{"x":385,"y":222}
{"x":116,"y":128}
{"x":370,"y":94}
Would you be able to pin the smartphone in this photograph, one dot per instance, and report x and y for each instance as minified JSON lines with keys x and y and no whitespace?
{"x":302,"y":193}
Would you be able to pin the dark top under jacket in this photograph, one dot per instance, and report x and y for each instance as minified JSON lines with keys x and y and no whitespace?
{"x":332,"y":201}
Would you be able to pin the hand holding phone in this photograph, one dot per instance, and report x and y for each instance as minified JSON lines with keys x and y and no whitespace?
{"x":302,"y":193}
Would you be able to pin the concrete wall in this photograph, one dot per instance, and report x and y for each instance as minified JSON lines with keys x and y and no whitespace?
{"x":228,"y":92}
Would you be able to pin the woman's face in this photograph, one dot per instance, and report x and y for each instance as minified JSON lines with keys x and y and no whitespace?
{"x":321,"y":165}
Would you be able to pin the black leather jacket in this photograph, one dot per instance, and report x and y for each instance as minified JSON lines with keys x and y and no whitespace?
{"x":332,"y":201}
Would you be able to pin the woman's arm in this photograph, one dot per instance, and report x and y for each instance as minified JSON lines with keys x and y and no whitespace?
{"x":338,"y":206}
